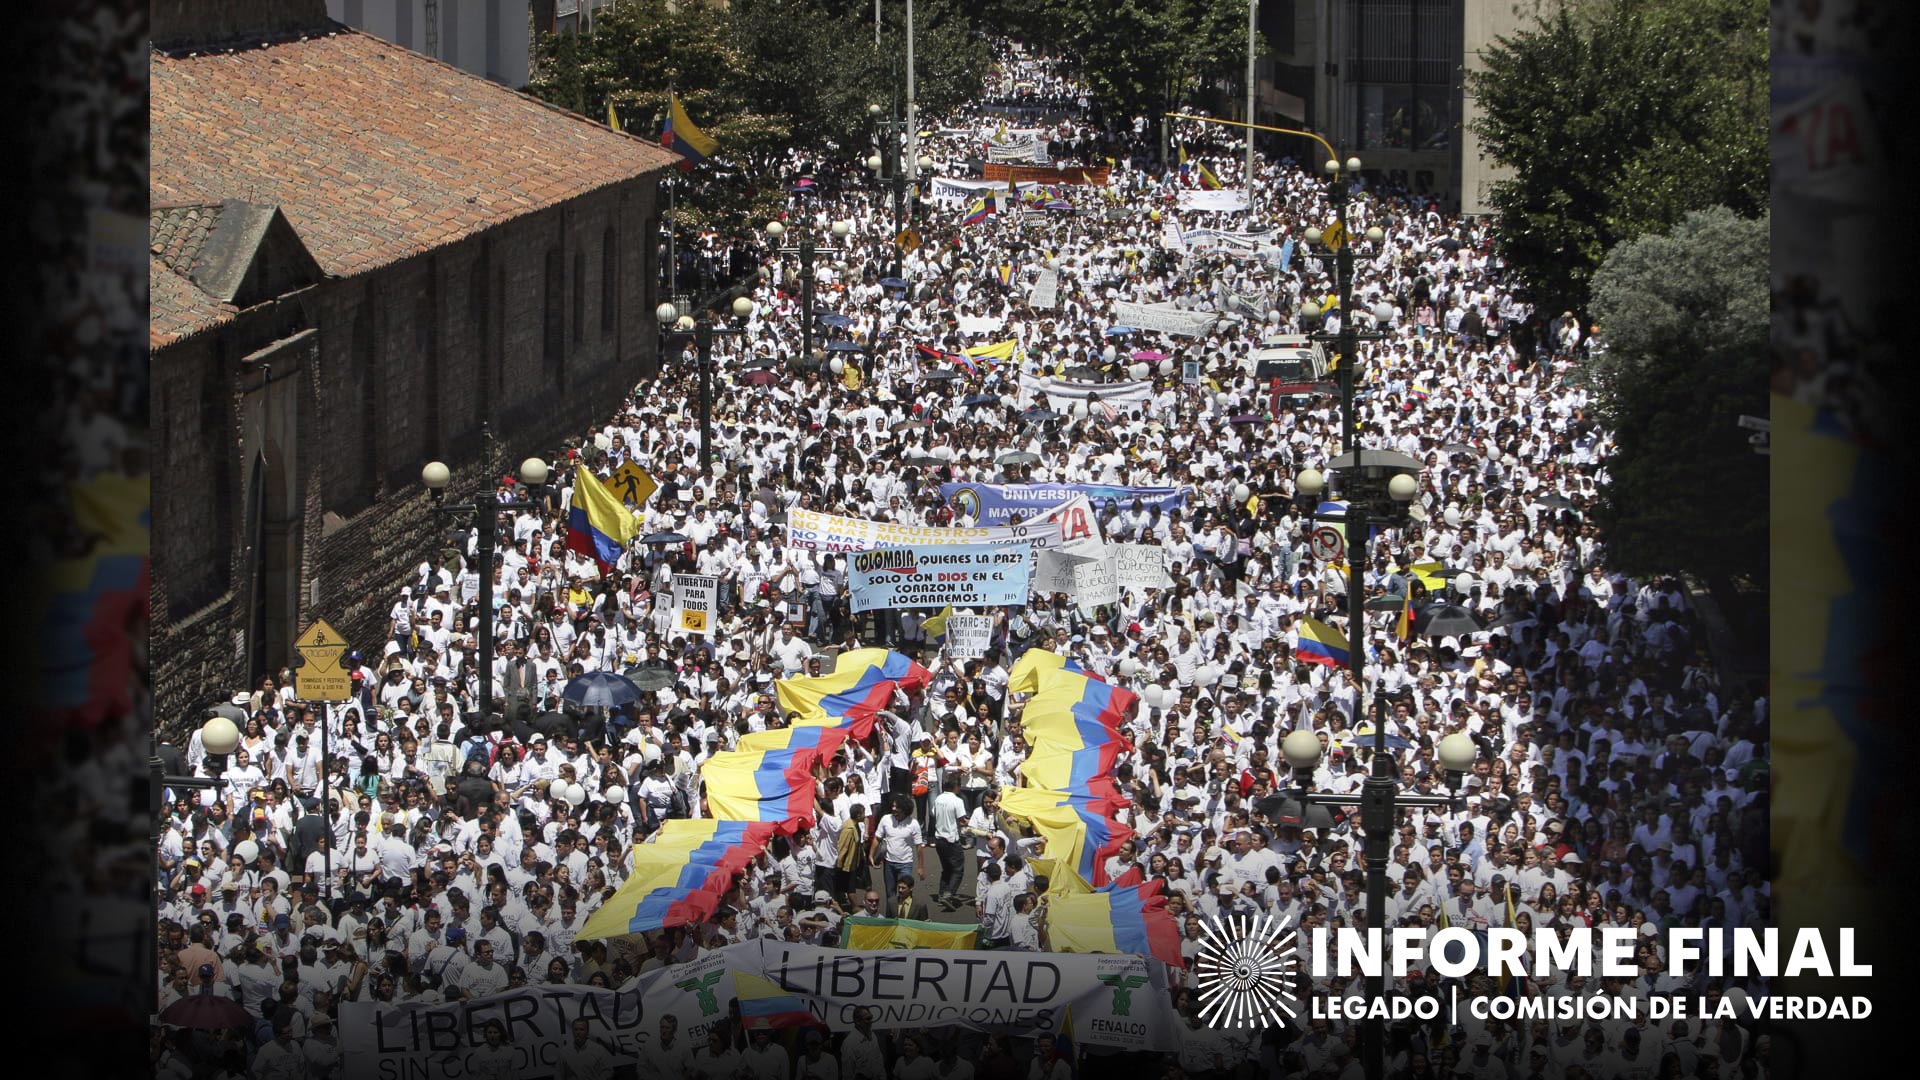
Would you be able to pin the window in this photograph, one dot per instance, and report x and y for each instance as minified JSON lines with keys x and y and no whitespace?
{"x":1403,"y":59}
{"x":553,"y":333}
{"x":609,"y":279}
{"x":579,"y":296}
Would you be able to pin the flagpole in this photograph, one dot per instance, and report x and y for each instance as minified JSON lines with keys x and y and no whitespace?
{"x":673,"y":222}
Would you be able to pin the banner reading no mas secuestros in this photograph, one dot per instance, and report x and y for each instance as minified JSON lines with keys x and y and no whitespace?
{"x":964,"y":575}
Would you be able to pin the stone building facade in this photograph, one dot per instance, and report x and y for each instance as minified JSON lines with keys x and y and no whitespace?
{"x":362,"y":260}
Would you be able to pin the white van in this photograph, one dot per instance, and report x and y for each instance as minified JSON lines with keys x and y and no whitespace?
{"x":1294,"y":361}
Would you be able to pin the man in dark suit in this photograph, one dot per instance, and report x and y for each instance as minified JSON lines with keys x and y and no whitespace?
{"x":902,"y":904}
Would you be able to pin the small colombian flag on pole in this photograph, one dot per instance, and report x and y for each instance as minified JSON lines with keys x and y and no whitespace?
{"x":599,"y":525}
{"x":613,"y":119}
{"x":1207,"y":179}
{"x":682,"y":137}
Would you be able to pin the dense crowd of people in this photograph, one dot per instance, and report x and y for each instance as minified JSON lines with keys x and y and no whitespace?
{"x":1618,"y":781}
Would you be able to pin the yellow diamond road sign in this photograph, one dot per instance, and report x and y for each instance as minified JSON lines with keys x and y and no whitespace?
{"x":908,"y":240}
{"x":319,"y":675}
{"x":1334,"y":236}
{"x":631,"y":484}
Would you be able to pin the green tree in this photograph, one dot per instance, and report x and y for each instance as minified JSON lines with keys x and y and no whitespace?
{"x":1684,"y":318}
{"x":1619,"y":117}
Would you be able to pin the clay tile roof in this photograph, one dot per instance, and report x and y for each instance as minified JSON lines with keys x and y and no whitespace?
{"x":178,"y":309}
{"x":372,"y":152}
{"x":176,"y":234}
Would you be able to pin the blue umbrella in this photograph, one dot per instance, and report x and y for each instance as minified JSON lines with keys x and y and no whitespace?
{"x":980,"y":399}
{"x":603,"y":689}
{"x":1038,"y":415}
{"x":836,"y":320}
{"x":893,"y":282}
{"x":1119,"y":331}
{"x":845,"y":346}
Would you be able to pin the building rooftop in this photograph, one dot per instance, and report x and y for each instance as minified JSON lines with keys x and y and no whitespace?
{"x":372,"y":152}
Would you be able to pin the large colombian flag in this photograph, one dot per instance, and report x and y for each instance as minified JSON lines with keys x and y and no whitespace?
{"x":824,"y":741}
{"x":680,"y":876}
{"x":1133,"y":920}
{"x":862,"y":684}
{"x":599,"y":525}
{"x":1024,"y":678}
{"x":1320,"y":644}
{"x":681,"y":136}
{"x":762,"y":785}
{"x":1079,"y":830}
{"x":1073,"y":723}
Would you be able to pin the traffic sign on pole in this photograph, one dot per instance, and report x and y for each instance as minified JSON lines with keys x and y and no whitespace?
{"x":632,"y":484}
{"x":319,"y":676}
{"x":1328,"y":544}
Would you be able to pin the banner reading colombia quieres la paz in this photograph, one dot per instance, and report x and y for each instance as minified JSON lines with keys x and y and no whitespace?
{"x":936,"y":575}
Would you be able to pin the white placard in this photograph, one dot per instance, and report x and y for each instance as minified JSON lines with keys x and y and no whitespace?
{"x":1046,"y":290}
{"x":695,"y":603}
{"x":1141,"y":566}
{"x":1164,"y":318}
{"x":969,"y":636}
{"x":1095,"y":582}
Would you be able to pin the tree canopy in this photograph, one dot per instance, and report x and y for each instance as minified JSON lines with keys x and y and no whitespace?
{"x":1683,"y":315}
{"x":1619,"y":117}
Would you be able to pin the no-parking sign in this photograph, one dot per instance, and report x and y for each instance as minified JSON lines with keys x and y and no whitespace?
{"x":1328,"y":544}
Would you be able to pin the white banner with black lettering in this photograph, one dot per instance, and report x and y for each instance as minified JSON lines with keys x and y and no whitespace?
{"x":1164,"y":318}
{"x":1225,"y":202}
{"x":1046,"y":290}
{"x":696,"y":602}
{"x":1141,"y":566}
{"x":1125,"y":395}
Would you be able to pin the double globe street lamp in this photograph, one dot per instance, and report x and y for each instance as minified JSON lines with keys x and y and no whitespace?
{"x":806,"y":248}
{"x":486,"y":511}
{"x":680,"y":325}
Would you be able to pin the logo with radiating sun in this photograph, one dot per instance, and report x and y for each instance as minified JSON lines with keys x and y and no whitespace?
{"x":1245,"y":972}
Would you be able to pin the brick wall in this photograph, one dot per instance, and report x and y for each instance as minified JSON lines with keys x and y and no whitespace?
{"x":410,"y":359}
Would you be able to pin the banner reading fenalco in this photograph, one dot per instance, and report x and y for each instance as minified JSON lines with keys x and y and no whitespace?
{"x":1120,"y":1001}
{"x":996,"y":504}
{"x":964,"y":575}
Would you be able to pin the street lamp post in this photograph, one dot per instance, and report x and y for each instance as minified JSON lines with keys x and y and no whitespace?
{"x":219,"y":737}
{"x":486,"y":511}
{"x":702,"y":330}
{"x":886,"y":164}
{"x":807,"y":249}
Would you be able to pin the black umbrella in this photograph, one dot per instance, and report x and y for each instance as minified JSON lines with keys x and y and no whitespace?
{"x":664,"y":538}
{"x":925,"y":462}
{"x":207,"y":1011}
{"x":1459,"y":448}
{"x":1450,"y":244}
{"x":1017,"y":457}
{"x":760,"y":362}
{"x":1556,"y":502}
{"x":941,"y":376}
{"x":980,"y":399}
{"x":649,"y":679}
{"x":1448,"y":620}
{"x":1084,"y":373}
{"x":600,"y":689}
{"x":1389,"y":602}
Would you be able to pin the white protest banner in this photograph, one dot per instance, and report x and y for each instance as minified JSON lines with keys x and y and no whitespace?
{"x":811,"y":530}
{"x":1125,"y":395}
{"x":979,"y":324}
{"x":1046,"y":290}
{"x":440,"y":1042}
{"x":935,"y":575}
{"x":969,"y":636}
{"x":1172,"y":238}
{"x":1095,"y":582}
{"x":1054,"y":574}
{"x":1141,"y":566}
{"x":1116,"y":1000}
{"x":696,"y":601}
{"x":1164,"y":318}
{"x":1220,"y":202}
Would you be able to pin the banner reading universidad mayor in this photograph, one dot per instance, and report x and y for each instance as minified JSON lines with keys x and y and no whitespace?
{"x":996,"y":504}
{"x":964,"y":575}
{"x":811,"y":530}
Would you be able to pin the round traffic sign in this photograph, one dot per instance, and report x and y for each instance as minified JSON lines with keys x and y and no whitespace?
{"x":1328,"y":544}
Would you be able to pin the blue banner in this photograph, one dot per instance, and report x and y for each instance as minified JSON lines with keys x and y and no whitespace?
{"x":996,"y":504}
{"x":936,"y":575}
